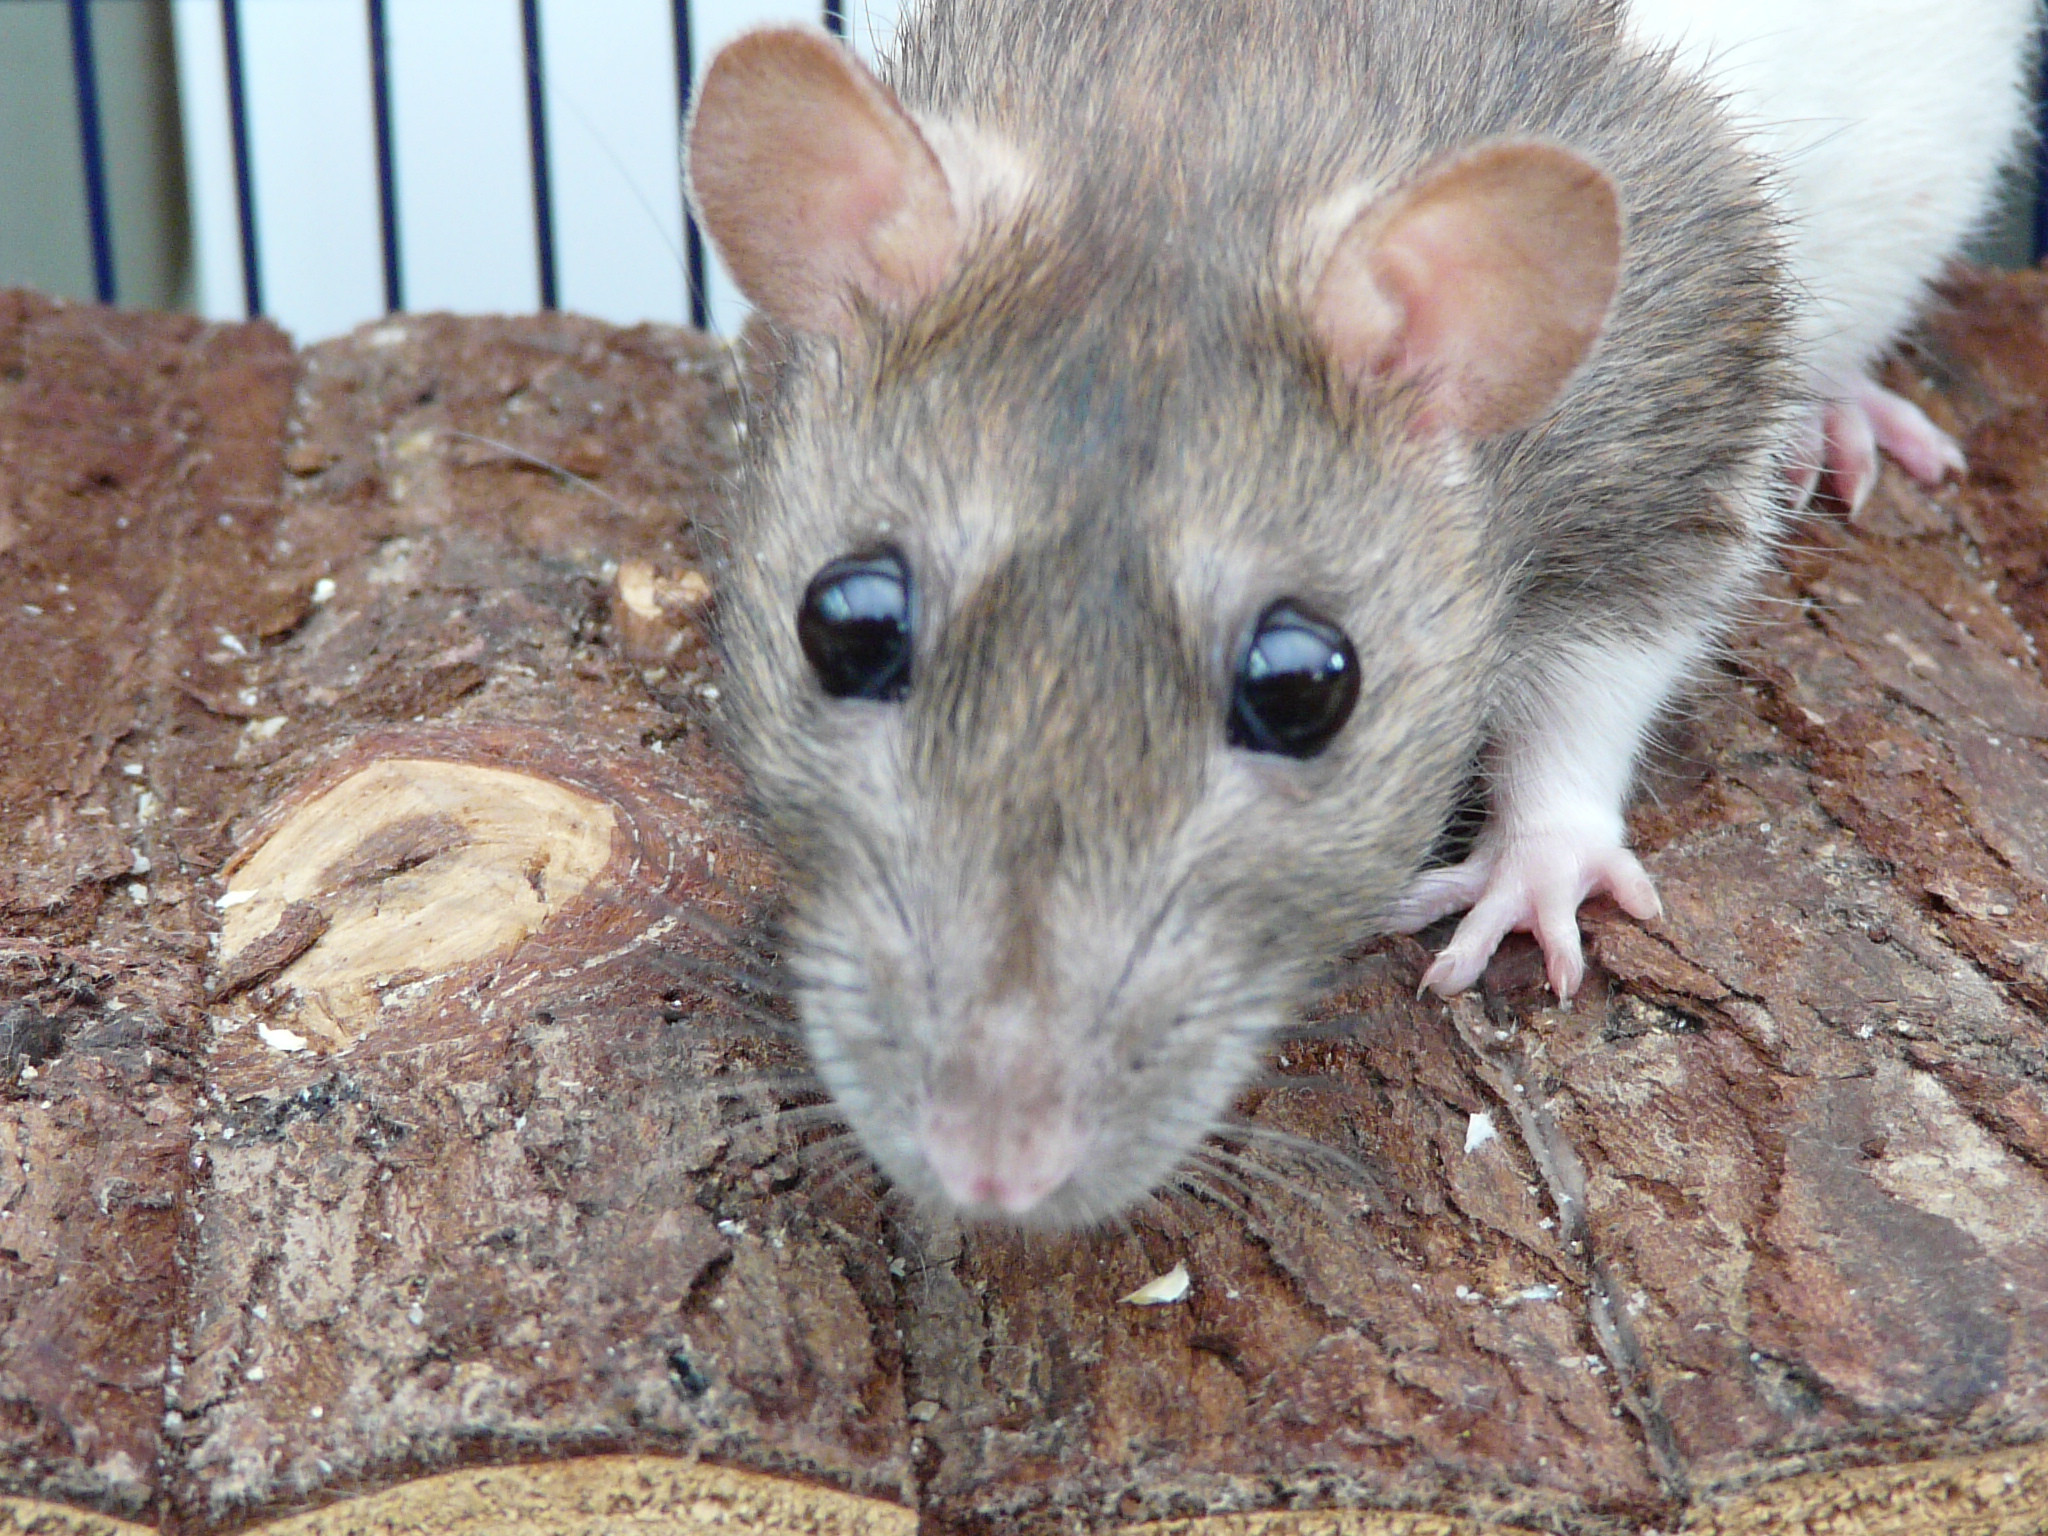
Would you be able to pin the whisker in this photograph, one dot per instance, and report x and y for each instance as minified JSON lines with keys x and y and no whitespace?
{"x":757,"y":1020}
{"x":680,"y":992}
{"x":1339,"y":1031}
{"x":1236,"y":1126}
{"x":760,"y":949}
{"x":817,"y":944}
{"x":710,"y":976}
{"x":1252,"y":1168}
{"x":758,"y":957}
{"x":1313,"y":1154}
{"x":1222,"y":1178}
{"x":821,"y":984}
{"x":805,"y":1117}
{"x":1274,"y":1080}
{"x":769,"y":1033}
{"x":549,"y":465}
{"x":769,"y":1120}
{"x":832,"y":1152}
{"x":851,"y":1161}
{"x":1154,"y":1209}
{"x":770,"y":986}
{"x":798,"y":1117}
{"x":732,"y":1085}
{"x":1186,"y":1182}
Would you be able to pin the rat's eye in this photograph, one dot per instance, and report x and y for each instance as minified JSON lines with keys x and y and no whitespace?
{"x":1296,"y":684}
{"x":854,"y":626}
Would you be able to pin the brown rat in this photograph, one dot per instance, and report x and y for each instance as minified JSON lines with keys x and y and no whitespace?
{"x":1203,"y":433}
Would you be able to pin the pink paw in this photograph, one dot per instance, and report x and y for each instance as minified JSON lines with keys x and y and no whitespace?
{"x":1871,"y":417}
{"x":1531,"y":884}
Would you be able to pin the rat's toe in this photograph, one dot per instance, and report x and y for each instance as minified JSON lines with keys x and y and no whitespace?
{"x":1535,"y":885}
{"x":1902,"y":430}
{"x":1455,"y":969}
{"x":1437,"y":893}
{"x":1871,"y":417}
{"x":1504,"y":908}
{"x":1620,"y":874}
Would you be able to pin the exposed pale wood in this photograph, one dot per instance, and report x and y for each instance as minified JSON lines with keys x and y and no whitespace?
{"x":416,"y":868}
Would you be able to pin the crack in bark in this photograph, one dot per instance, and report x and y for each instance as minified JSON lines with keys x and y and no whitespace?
{"x":1564,"y":1176}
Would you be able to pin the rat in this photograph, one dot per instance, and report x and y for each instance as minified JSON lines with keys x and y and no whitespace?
{"x":1195,"y":439}
{"x":1885,"y":158}
{"x":1882,"y":164}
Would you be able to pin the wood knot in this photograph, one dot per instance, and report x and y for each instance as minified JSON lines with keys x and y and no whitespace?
{"x":404,"y":872}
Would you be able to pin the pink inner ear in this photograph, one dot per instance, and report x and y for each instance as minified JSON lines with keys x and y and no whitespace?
{"x":1486,"y":284}
{"x":814,"y":183}
{"x":1438,"y":276}
{"x":868,"y":191}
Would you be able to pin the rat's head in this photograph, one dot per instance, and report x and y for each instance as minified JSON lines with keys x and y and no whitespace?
{"x":1108,"y":640}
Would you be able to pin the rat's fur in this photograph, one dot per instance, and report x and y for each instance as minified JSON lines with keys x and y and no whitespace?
{"x":1040,"y":903}
{"x":1888,"y":121}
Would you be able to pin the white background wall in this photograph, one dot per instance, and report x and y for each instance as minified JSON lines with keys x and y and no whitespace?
{"x":461,"y":151}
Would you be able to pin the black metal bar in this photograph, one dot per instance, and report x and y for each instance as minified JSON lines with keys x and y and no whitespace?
{"x":238,"y":131}
{"x":693,"y":254}
{"x":387,"y":175}
{"x":2041,"y":154}
{"x":86,"y":76}
{"x":693,"y":238}
{"x":835,"y":17}
{"x":537,"y":129}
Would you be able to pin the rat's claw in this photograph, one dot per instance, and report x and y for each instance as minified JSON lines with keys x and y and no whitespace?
{"x":1871,"y":417}
{"x":1533,"y":885}
{"x":1851,"y":453}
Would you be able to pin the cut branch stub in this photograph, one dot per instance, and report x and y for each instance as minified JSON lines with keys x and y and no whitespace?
{"x":409,"y":869}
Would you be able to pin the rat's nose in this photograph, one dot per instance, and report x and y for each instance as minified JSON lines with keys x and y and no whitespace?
{"x":986,"y":1159}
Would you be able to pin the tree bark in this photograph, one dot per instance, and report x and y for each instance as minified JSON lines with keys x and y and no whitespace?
{"x":393,"y":1086}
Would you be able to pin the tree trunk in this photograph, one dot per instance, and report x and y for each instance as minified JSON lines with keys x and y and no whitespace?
{"x":391,"y":1127}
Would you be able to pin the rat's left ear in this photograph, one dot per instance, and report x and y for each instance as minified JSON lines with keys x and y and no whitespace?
{"x":1485,"y":283}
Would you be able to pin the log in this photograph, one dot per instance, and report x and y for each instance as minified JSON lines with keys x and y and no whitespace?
{"x":400,"y":1128}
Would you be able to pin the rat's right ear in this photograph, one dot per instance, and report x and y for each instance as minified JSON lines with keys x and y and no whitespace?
{"x":814,"y":183}
{"x":1485,"y":283}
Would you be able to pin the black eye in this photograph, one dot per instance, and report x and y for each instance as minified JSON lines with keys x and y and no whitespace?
{"x":854,"y":626}
{"x":1296,"y":684}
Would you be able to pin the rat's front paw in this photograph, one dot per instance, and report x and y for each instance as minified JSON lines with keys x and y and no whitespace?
{"x":1871,"y":417}
{"x":1532,"y":883}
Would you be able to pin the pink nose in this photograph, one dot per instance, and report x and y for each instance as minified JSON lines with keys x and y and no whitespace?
{"x":1005,"y":1167}
{"x":1013,"y":1196}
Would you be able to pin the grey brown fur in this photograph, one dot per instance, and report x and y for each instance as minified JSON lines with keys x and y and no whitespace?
{"x":1043,"y":886}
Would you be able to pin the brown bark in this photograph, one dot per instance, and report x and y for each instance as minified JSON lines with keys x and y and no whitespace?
{"x":388,"y":1127}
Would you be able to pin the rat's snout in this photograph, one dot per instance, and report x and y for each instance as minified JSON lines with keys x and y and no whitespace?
{"x":989,"y":1162}
{"x":1000,"y":1139}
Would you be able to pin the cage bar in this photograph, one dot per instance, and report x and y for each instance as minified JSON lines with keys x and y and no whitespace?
{"x":537,"y":129}
{"x":2041,"y":151}
{"x":245,"y":181}
{"x":693,"y":237}
{"x":92,"y":150}
{"x":387,"y":173}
